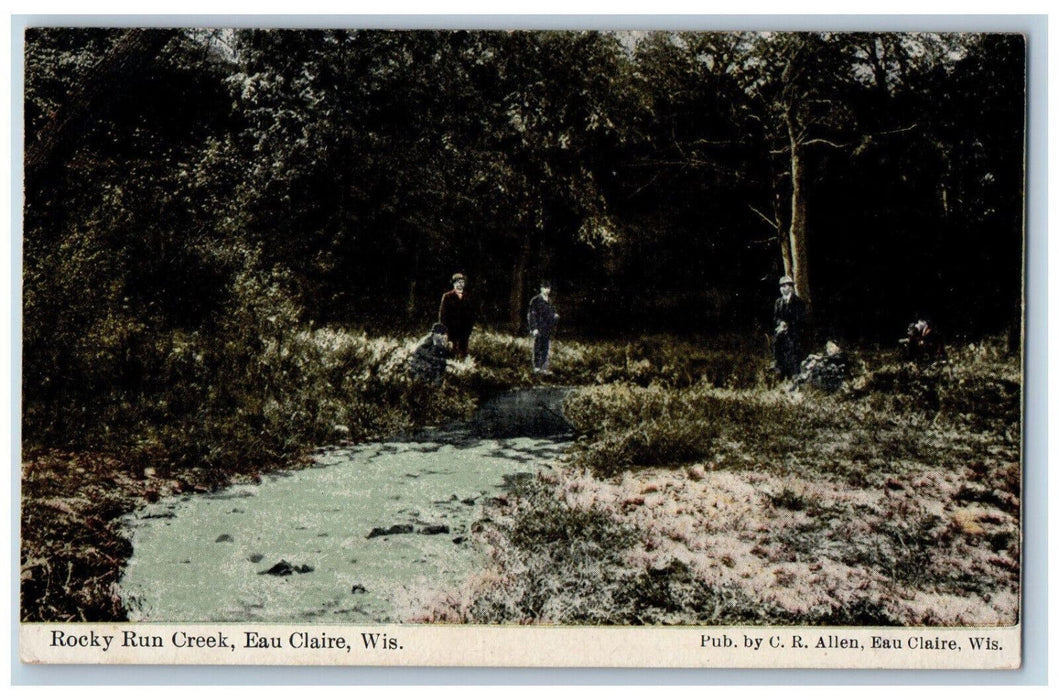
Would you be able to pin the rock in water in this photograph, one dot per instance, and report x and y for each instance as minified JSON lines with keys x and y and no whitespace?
{"x":395,"y":530}
{"x":434,"y":530}
{"x":357,"y":588}
{"x":285,"y":568}
{"x":225,"y":538}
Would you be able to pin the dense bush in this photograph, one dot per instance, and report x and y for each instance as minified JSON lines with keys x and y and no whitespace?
{"x":259,"y":389}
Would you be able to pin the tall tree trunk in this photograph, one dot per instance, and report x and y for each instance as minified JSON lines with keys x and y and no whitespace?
{"x":410,"y":305}
{"x":783,"y":234}
{"x":799,"y":250}
{"x":877,"y":59}
{"x":518,"y":278}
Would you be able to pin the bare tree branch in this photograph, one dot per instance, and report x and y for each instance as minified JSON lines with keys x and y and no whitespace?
{"x":824,"y":142}
{"x":774,"y":224}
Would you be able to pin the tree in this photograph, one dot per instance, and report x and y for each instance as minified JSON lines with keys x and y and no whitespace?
{"x":563,"y":91}
{"x":112,"y":261}
{"x":797,"y":84}
{"x":53,"y":140}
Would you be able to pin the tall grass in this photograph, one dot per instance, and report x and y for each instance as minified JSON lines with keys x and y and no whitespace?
{"x":891,"y":412}
{"x":894,"y":501}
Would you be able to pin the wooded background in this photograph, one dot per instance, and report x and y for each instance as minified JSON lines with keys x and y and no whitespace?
{"x":188,"y":186}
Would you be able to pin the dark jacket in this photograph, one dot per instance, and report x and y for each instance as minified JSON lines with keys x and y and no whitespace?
{"x":787,"y":319}
{"x":541,"y":316}
{"x":790,"y":312}
{"x":456,"y":314}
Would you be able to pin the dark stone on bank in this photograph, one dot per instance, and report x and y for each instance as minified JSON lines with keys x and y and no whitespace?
{"x":434,"y":530}
{"x":395,"y":530}
{"x":285,"y":568}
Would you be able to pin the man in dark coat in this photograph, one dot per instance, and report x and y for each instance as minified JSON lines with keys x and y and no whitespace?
{"x":457,"y":315}
{"x":542,"y":320}
{"x":788,"y":316}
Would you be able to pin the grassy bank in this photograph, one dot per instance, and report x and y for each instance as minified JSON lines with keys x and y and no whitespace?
{"x":893,"y":502}
{"x":256,"y":396}
{"x":215,"y":422}
{"x":697,"y":492}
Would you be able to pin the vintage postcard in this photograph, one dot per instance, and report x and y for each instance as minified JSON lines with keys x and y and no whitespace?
{"x":489,"y":347}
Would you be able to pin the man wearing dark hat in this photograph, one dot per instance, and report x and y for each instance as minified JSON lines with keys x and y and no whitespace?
{"x":541,"y":320}
{"x":457,"y":315}
{"x":788,"y":315}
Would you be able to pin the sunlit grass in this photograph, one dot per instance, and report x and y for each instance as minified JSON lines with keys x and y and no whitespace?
{"x":892,"y":502}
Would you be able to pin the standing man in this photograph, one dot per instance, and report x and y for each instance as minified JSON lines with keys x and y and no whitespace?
{"x":541,"y":320}
{"x":457,"y":315}
{"x":788,"y":316}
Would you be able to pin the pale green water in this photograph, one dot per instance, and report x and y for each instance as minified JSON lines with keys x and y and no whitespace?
{"x":193,"y":555}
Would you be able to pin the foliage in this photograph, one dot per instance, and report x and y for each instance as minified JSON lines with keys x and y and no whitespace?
{"x":225,"y":210}
{"x":887,"y":414}
{"x":572,"y":569}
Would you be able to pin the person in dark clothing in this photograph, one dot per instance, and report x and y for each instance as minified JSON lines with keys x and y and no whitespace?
{"x":922,"y":343}
{"x":427,"y":361}
{"x":788,"y":316}
{"x":457,"y":315}
{"x":541,"y":320}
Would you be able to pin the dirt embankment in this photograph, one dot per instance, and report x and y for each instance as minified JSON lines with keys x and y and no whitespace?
{"x":73,"y":552}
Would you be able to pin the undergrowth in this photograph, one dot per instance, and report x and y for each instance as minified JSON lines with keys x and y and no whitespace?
{"x":892,"y":414}
{"x":901,"y":492}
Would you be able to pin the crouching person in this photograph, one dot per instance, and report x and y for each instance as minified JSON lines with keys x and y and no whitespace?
{"x":922,"y":343}
{"x":427,"y":361}
{"x":827,"y":371}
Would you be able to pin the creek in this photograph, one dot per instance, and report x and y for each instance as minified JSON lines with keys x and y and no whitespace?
{"x":368,"y":533}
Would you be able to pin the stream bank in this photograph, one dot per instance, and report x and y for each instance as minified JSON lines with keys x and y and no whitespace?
{"x":368,"y":533}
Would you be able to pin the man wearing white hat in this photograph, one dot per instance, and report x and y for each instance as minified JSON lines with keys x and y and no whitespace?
{"x":788,"y":315}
